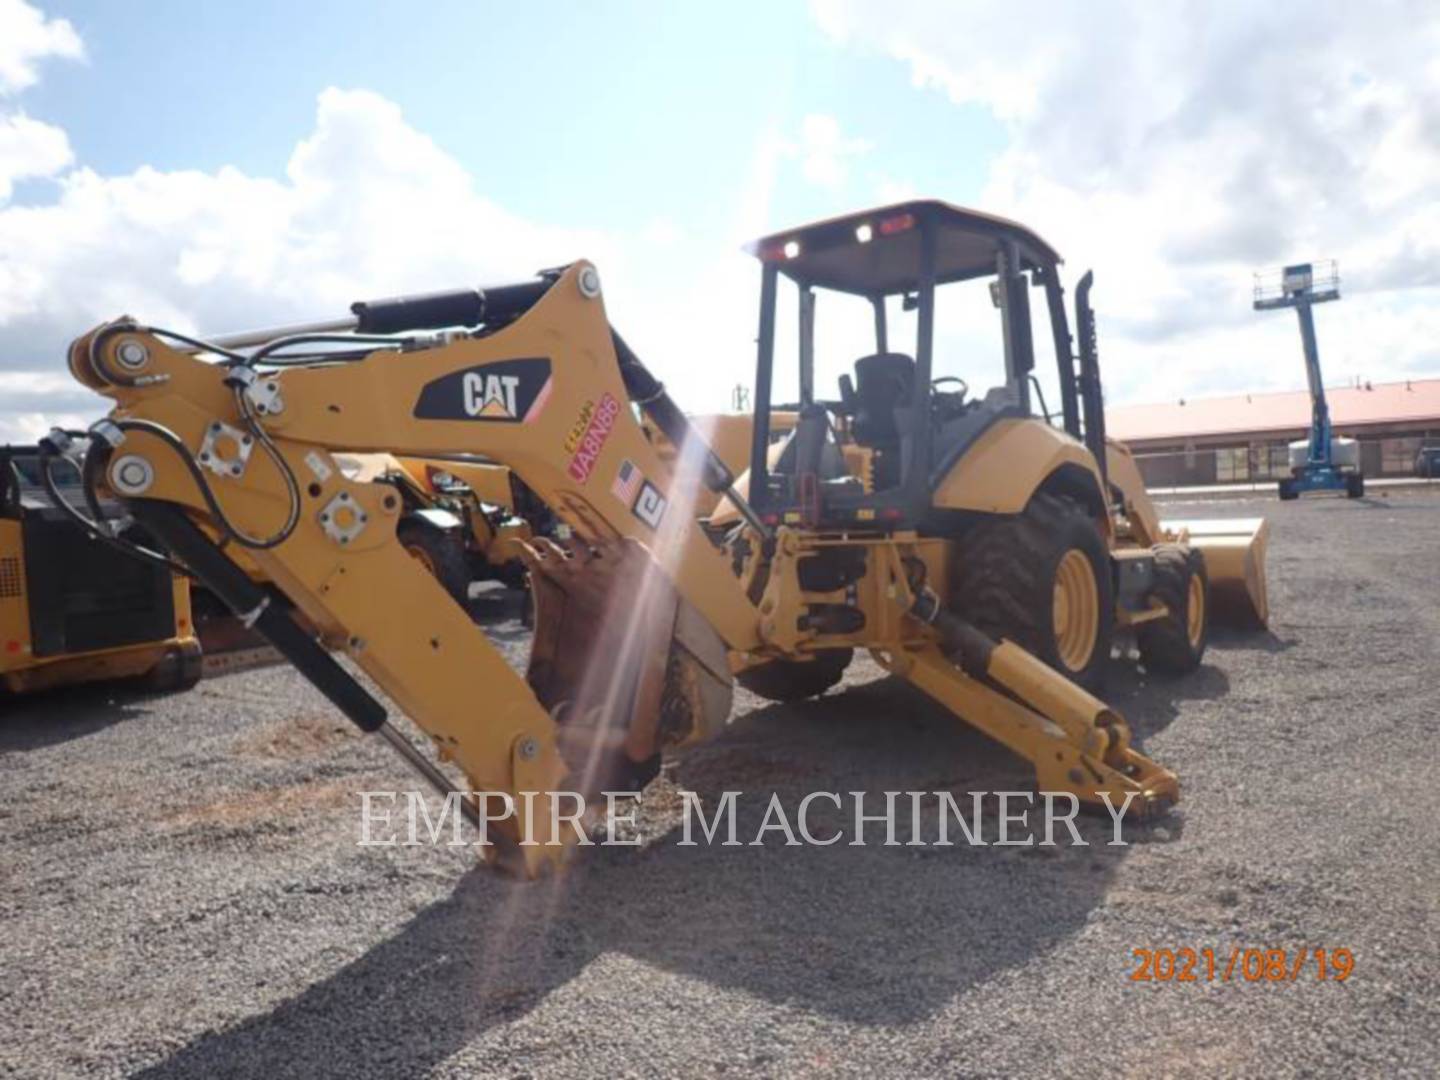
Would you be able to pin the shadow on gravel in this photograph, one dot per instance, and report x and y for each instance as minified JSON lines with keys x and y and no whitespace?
{"x":1228,"y":638}
{"x":1150,"y":703}
{"x":48,"y":717}
{"x":501,"y":612}
{"x":874,"y":935}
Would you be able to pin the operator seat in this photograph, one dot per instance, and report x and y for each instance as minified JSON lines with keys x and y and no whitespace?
{"x":883,"y":383}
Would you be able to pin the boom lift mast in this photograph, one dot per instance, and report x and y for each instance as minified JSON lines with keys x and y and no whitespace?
{"x":1320,"y":469}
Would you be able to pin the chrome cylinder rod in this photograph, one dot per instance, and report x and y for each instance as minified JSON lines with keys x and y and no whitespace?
{"x":246,"y":338}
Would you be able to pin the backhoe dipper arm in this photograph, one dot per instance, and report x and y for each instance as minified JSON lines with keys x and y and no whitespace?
{"x":542,"y":394}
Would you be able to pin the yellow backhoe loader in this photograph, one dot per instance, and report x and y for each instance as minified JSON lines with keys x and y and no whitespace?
{"x":874,"y":545}
{"x":729,"y":436}
{"x":463,"y":521}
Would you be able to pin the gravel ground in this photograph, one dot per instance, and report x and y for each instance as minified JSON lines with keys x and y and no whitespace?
{"x":182,"y":895}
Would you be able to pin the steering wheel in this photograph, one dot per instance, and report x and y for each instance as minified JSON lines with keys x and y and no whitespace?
{"x":948,"y":404}
{"x":964,"y":386}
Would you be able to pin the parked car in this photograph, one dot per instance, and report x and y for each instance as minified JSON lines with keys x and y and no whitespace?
{"x":1427,"y":462}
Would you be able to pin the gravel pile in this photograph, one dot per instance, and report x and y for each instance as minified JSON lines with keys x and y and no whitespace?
{"x":181,"y":893}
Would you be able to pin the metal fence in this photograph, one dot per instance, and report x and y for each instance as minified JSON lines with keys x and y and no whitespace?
{"x":1260,"y":464}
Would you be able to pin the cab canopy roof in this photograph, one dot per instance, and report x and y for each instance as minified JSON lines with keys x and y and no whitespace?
{"x":877,"y":252}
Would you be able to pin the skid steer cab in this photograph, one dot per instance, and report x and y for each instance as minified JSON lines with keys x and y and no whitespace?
{"x":979,"y":552}
{"x":1050,"y":540}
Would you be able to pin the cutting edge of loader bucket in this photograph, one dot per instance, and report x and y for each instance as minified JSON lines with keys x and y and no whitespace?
{"x":1234,"y":550}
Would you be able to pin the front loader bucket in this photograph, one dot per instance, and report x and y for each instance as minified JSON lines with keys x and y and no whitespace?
{"x":622,"y":664}
{"x":1234,"y":552}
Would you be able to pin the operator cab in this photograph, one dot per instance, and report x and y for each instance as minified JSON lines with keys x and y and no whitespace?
{"x":874,"y":453}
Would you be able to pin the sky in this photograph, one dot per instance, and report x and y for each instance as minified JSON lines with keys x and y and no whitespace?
{"x":214,"y":167}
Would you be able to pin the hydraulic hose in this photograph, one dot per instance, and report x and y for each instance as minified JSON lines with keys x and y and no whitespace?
{"x":94,"y":525}
{"x":172,"y":440}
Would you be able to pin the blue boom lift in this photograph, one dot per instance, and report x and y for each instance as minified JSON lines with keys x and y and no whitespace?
{"x":1323,"y":462}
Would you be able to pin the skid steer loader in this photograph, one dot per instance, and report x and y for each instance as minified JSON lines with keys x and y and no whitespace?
{"x":74,"y":610}
{"x":638,"y":618}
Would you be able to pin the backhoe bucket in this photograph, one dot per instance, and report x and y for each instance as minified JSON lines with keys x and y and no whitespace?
{"x":1234,"y":552}
{"x":623,"y":665}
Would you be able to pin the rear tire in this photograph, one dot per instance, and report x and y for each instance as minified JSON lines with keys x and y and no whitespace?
{"x":1355,"y":486}
{"x":441,"y":553}
{"x":796,"y":680}
{"x":1012,"y":571}
{"x":1175,"y":645}
{"x":1287,"y":491}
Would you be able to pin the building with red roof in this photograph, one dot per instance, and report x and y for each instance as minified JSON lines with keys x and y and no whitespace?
{"x":1234,"y":439}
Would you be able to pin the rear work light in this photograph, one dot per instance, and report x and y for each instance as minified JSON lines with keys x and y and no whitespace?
{"x":899,"y":223}
{"x":778,"y":252}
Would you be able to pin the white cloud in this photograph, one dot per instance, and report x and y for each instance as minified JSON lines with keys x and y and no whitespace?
{"x":890,"y":190}
{"x":27,"y":37}
{"x":1176,"y":148}
{"x":1173,"y":151}
{"x":663,"y":233}
{"x":36,"y":402}
{"x":368,"y":206}
{"x":29,"y":148}
{"x":825,"y":152}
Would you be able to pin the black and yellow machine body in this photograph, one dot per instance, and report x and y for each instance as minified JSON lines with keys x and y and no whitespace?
{"x":73,"y":610}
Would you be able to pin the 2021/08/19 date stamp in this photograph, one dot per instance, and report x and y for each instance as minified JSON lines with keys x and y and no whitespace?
{"x":1242,"y":964}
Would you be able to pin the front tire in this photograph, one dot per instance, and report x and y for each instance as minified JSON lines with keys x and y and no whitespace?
{"x":1175,"y":645}
{"x":1042,"y":580}
{"x":1355,"y":486}
{"x":441,"y":553}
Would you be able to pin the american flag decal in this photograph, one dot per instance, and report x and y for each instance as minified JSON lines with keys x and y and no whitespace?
{"x":627,"y":483}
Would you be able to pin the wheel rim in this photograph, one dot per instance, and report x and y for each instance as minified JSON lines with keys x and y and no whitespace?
{"x":1195,"y":610}
{"x":1076,"y":610}
{"x":420,"y":555}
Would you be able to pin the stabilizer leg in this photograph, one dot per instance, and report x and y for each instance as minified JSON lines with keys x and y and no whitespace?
{"x":1076,"y":743}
